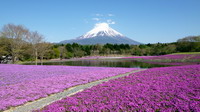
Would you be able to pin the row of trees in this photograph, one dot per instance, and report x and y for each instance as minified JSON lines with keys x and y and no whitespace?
{"x":19,"y":43}
{"x":76,"y":50}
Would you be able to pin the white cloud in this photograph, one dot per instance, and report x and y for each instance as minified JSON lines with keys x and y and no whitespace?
{"x":112,"y":22}
{"x":104,"y":18}
{"x":109,"y":21}
{"x":96,"y":19}
{"x":111,"y":15}
{"x":99,"y":14}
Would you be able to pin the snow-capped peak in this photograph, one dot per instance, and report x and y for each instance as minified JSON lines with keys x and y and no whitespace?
{"x":101,"y":29}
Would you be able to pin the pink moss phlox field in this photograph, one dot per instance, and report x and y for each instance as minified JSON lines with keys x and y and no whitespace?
{"x":196,"y":57}
{"x":173,"y":63}
{"x":22,"y":83}
{"x":170,"y":56}
{"x":136,"y":57}
{"x":166,"y":89}
{"x":93,"y":57}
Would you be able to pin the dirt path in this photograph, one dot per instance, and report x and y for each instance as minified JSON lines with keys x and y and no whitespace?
{"x":40,"y":103}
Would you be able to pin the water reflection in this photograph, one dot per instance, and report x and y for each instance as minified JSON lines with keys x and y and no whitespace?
{"x":107,"y":63}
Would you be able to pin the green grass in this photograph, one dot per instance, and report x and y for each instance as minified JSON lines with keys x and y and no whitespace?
{"x":187,"y":53}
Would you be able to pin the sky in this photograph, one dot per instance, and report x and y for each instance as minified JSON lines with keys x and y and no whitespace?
{"x":146,"y":21}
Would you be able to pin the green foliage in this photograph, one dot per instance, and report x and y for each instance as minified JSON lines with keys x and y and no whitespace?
{"x":4,"y":46}
{"x":56,"y":52}
{"x":69,"y":55}
{"x":189,"y":44}
{"x":87,"y":49}
{"x":76,"y":50}
{"x":190,"y":39}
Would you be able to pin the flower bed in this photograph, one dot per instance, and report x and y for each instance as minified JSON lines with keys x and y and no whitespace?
{"x":157,"y":89}
{"x":172,"y":63}
{"x":172,"y":59}
{"x":22,"y":83}
{"x":139,"y":57}
{"x":169,"y":57}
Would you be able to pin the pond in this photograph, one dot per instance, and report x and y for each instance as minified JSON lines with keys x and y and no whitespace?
{"x":104,"y":63}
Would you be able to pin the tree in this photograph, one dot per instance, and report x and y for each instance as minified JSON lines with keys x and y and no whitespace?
{"x":63,"y":52}
{"x":69,"y":47}
{"x":4,"y":49}
{"x":34,"y":39}
{"x":189,"y":44}
{"x":44,"y":48}
{"x":87,"y":49}
{"x":190,"y":39}
{"x":4,"y":46}
{"x":170,"y":49}
{"x":27,"y":54}
{"x":95,"y":49}
{"x":17,"y":35}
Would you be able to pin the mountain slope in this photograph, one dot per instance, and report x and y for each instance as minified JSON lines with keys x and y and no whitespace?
{"x":102,"y":34}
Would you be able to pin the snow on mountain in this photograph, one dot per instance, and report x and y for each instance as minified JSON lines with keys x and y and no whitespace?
{"x":101,"y":29}
{"x":102,"y":34}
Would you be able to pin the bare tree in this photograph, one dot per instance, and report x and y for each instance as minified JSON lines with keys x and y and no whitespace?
{"x":17,"y":34}
{"x":63,"y":52}
{"x":43,"y":49}
{"x":35,"y":39}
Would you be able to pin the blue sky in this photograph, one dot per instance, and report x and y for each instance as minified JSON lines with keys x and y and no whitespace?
{"x":146,"y":21}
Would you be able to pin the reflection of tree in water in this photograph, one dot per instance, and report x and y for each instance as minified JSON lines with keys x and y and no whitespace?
{"x":107,"y":63}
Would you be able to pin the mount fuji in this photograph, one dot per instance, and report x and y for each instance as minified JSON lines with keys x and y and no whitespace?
{"x":102,"y":34}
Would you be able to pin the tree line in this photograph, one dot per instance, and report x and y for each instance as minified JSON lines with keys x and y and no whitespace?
{"x":20,"y":44}
{"x":77,"y":50}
